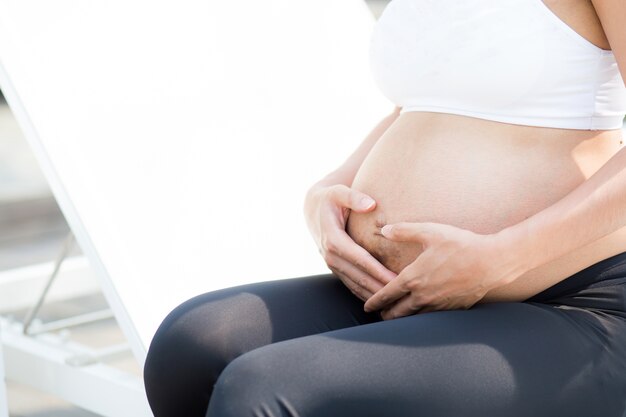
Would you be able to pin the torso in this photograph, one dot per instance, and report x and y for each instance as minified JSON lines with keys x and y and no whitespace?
{"x":484,"y":175}
{"x":480,"y":175}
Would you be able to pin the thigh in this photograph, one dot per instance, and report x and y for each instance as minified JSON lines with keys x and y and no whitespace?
{"x":257,"y":314}
{"x":499,"y":359}
{"x":201,"y":336}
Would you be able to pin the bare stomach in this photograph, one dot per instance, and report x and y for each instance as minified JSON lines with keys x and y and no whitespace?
{"x":479,"y":175}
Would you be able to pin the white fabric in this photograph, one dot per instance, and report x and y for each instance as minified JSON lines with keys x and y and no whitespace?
{"x":511,"y":61}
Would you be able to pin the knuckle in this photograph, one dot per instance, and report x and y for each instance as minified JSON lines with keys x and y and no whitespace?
{"x":354,"y":289}
{"x":336,"y":191}
{"x":402,"y":284}
{"x":364,"y":283}
{"x":332,"y":191}
{"x":324,"y":242}
{"x":331,"y":245}
{"x":327,"y":194}
{"x":414,"y":303}
{"x":330,"y":194}
{"x":338,"y":271}
{"x":412,"y":284}
{"x":359,"y":264}
{"x":350,"y":284}
{"x":342,"y":272}
{"x":408,"y":285}
{"x":425,"y":300}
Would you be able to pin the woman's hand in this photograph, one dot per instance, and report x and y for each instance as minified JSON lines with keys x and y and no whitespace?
{"x":326,"y":211}
{"x":455,"y":270}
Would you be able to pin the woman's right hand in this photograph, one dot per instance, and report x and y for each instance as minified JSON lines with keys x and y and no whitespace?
{"x":326,"y":209}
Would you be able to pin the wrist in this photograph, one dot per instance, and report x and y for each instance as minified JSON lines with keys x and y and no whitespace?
{"x":512,"y":247}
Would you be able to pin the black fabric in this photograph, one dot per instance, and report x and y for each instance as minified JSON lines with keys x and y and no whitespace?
{"x":304,"y":347}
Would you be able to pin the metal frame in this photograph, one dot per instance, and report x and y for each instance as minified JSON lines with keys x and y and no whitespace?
{"x":72,"y":372}
{"x":76,"y":279}
{"x":4,"y":405}
{"x":50,"y":362}
{"x":65,"y":323}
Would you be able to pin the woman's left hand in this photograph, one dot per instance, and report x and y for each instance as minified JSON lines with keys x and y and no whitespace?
{"x":455,"y":270}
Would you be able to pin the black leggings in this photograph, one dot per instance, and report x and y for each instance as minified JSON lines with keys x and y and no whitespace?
{"x":304,"y":347}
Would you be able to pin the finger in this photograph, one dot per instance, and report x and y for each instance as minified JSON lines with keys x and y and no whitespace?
{"x":348,"y":249}
{"x":356,"y":275}
{"x":352,"y":199}
{"x":406,"y":306}
{"x":387,"y":295}
{"x":447,"y":306}
{"x":360,"y":292}
{"x":410,"y":232}
{"x":430,"y":309}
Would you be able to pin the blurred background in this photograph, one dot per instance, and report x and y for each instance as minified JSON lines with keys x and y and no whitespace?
{"x":32,"y":231}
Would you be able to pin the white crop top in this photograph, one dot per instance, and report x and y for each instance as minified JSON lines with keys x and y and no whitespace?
{"x":512,"y":61}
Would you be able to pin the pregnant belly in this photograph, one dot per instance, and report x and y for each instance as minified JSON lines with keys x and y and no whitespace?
{"x":478,"y":175}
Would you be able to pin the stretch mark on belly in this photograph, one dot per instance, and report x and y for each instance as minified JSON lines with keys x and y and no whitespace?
{"x":364,"y":229}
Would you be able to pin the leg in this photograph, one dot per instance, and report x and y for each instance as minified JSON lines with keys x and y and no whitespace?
{"x":496,"y":360}
{"x":201,"y":336}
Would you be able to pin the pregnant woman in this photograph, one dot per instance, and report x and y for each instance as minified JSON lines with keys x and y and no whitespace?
{"x":476,"y":238}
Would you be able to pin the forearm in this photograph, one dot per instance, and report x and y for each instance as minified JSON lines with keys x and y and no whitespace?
{"x":346,"y":172}
{"x":594,"y":209}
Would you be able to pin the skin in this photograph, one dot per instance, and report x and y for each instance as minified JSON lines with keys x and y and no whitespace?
{"x":438,"y":258}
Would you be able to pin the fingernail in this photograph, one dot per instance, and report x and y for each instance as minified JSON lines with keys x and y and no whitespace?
{"x":367,"y":202}
{"x":386,"y":229}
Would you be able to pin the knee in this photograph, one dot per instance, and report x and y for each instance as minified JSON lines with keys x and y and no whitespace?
{"x":172,"y":363}
{"x":278,"y":380}
{"x":194,"y":344}
{"x":252,"y":385}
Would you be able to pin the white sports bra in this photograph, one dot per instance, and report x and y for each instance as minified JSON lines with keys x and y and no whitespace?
{"x":512,"y":61}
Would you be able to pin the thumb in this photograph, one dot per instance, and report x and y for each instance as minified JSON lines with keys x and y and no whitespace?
{"x":410,"y":232}
{"x":360,"y":202}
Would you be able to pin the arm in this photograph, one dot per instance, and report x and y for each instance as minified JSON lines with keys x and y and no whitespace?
{"x":593,"y":210}
{"x":598,"y":206}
